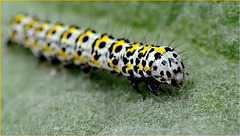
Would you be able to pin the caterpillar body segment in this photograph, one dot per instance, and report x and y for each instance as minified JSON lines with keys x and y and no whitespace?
{"x":86,"y":48}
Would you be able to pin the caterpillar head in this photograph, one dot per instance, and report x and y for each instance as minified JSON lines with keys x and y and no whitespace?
{"x":168,"y":68}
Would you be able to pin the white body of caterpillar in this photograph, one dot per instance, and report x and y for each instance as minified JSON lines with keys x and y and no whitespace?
{"x":150,"y":64}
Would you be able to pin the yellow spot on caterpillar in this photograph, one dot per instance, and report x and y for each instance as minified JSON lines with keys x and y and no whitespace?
{"x":129,"y":67}
{"x":121,"y":42}
{"x":115,"y":67}
{"x":62,"y":53}
{"x":27,"y":26}
{"x":13,"y":35}
{"x":53,"y":29}
{"x":159,"y":49}
{"x":77,"y":57}
{"x":35,"y":44}
{"x":147,"y":68}
{"x":27,"y":41}
{"x":38,"y":29}
{"x":69,"y":31}
{"x":134,"y":46}
{"x":87,"y":33}
{"x":95,"y":62}
{"x":144,"y":50}
{"x":139,"y":67}
{"x":47,"y":48}
{"x":30,"y":24}
{"x":18,"y":18}
{"x":105,"y":38}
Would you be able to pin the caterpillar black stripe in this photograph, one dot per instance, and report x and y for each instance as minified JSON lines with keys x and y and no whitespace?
{"x":150,"y":64}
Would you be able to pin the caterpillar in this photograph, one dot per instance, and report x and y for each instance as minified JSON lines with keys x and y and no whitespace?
{"x":153,"y":65}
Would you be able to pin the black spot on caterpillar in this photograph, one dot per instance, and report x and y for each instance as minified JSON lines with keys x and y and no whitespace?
{"x":153,"y":65}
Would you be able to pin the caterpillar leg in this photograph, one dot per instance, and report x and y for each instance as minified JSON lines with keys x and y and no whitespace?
{"x":55,"y":61}
{"x":158,"y":87}
{"x":41,"y":58}
{"x":86,"y":69}
{"x":151,"y":85}
{"x":134,"y":82}
{"x":152,"y":89}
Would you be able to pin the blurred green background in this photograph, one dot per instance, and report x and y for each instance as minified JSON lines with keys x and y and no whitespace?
{"x":35,"y":102}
